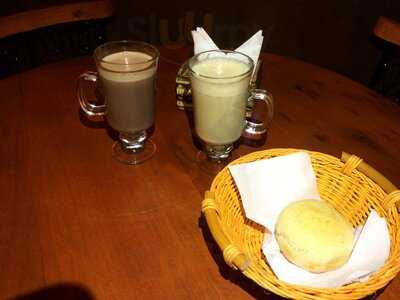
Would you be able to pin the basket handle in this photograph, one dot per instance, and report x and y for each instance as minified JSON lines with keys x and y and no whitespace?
{"x":393,"y":197}
{"x":377,"y":177}
{"x":232,"y":255}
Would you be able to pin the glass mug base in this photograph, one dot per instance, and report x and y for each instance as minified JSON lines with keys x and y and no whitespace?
{"x":133,"y":156}
{"x":212,"y":165}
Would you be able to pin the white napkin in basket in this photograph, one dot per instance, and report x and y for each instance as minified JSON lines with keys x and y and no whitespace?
{"x":268,"y":186}
{"x":252,"y":47}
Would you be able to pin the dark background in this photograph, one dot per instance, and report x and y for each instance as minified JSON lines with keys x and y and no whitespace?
{"x":335,"y":34}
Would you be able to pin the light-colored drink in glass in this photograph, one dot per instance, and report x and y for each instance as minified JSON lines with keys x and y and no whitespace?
{"x":220,"y":92}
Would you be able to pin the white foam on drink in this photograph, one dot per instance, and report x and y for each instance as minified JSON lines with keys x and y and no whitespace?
{"x":127,"y":66}
{"x":220,"y":68}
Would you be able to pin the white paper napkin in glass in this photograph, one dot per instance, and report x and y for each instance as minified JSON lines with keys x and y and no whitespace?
{"x":268,"y":186}
{"x":252,"y":47}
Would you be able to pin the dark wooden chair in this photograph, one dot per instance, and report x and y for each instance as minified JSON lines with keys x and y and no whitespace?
{"x":35,"y":37}
{"x":388,"y":30}
{"x":386,"y":79}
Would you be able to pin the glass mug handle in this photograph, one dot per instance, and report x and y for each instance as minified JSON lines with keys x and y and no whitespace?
{"x":257,"y":122}
{"x":88,"y":107}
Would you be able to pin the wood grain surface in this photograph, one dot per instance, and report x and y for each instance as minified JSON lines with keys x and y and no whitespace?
{"x":76,"y":224}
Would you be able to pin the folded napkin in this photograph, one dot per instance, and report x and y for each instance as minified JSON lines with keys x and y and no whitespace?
{"x":252,"y":47}
{"x":268,"y":186}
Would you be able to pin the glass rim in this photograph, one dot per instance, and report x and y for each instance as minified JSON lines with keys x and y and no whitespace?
{"x":127,"y":42}
{"x":221,"y":51}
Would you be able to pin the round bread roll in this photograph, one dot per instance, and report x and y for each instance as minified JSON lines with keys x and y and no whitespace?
{"x":314,"y":236}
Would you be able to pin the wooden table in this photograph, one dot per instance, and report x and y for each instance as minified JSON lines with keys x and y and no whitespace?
{"x":80,"y":225}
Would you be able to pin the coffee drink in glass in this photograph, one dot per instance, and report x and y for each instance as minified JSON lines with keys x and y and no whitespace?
{"x":126,"y":73}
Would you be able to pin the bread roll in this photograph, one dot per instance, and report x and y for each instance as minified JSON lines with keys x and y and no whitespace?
{"x":314,"y":236}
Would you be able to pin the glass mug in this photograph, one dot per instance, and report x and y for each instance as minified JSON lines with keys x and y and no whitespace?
{"x":126,"y":74}
{"x":221,"y":102}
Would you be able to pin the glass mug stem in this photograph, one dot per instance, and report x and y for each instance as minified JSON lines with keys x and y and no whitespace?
{"x":133,"y":142}
{"x":218,"y":153}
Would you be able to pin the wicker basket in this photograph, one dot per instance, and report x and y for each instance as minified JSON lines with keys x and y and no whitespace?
{"x":350,"y":185}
